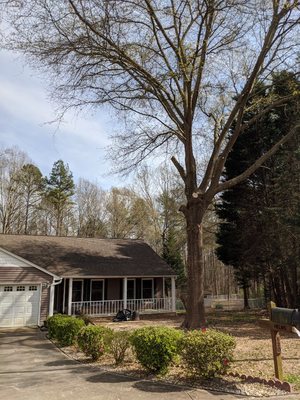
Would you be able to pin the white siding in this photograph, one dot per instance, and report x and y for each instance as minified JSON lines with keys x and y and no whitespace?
{"x":8,"y":260}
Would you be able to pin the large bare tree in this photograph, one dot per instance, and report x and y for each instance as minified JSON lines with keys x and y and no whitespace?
{"x":182,"y":70}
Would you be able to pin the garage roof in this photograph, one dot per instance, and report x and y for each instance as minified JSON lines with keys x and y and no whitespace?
{"x":80,"y":257}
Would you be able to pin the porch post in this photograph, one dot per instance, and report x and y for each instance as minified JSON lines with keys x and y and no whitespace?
{"x":70,"y":296}
{"x":51,"y":300}
{"x":173,"y":294}
{"x":164,"y":289}
{"x":125,"y":292}
{"x":64,"y":297}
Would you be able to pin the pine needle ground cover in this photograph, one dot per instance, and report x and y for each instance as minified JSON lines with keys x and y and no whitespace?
{"x":252,"y":354}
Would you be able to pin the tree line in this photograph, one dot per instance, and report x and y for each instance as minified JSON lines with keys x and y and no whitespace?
{"x":54,"y":205}
{"x":33,"y":204}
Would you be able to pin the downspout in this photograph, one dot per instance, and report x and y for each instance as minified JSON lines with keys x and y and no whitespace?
{"x":51,"y":298}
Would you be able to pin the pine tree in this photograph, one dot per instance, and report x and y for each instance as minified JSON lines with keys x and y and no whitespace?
{"x":255,"y":236}
{"x":59,"y":191}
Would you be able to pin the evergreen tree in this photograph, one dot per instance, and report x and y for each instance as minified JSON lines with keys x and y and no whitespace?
{"x":59,"y":191}
{"x":172,"y":255}
{"x":255,"y":236}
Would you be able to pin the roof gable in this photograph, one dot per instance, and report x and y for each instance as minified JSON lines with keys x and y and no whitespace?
{"x":8,"y":259}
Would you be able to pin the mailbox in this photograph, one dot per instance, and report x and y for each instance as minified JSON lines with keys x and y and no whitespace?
{"x":296,"y":319}
{"x":285,"y":316}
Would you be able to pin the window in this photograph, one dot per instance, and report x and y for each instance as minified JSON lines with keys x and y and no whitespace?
{"x":33,"y":288}
{"x":97,"y":290}
{"x":131,"y":289}
{"x":77,"y":290}
{"x":147,"y":289}
{"x":8,"y":288}
{"x":20,"y":288}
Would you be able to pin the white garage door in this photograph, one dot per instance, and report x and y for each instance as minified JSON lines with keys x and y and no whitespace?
{"x":19,"y":305}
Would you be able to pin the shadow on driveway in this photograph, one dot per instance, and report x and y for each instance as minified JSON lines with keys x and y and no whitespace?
{"x":156,"y":387}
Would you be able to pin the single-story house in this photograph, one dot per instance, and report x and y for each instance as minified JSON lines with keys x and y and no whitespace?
{"x":40,"y":275}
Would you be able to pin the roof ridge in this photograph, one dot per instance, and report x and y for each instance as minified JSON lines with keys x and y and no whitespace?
{"x":71,"y":237}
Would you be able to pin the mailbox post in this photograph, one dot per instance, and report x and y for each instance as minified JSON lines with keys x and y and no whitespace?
{"x":276,"y":346}
{"x":280,"y":320}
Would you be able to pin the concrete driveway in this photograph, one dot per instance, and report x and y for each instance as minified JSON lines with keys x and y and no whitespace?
{"x":31,"y":368}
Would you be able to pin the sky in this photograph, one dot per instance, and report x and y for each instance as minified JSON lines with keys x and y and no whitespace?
{"x":25,"y":113}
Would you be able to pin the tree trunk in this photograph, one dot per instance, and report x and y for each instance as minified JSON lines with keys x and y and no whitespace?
{"x":288,"y":292}
{"x":58,"y":223}
{"x":246,"y":297}
{"x":267,"y":286}
{"x":26,"y":215}
{"x":195,"y":313}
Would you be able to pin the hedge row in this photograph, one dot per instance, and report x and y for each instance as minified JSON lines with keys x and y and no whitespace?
{"x":204,"y":353}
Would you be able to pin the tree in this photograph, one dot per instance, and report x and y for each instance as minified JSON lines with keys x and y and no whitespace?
{"x":185,"y":72}
{"x":31,"y":186}
{"x":11,"y":162}
{"x":172,"y":254}
{"x":127,"y":214}
{"x":90,"y":201}
{"x":254,"y":236}
{"x":59,"y":191}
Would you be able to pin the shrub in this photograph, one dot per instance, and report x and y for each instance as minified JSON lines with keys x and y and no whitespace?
{"x":207,"y":353}
{"x":219,"y":306}
{"x":120,"y":343}
{"x":85,"y":318}
{"x":156,"y":347}
{"x":52,"y":324}
{"x":64,"y":328}
{"x":94,"y":341}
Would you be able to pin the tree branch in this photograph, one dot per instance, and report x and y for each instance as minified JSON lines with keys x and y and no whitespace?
{"x":179,"y":168}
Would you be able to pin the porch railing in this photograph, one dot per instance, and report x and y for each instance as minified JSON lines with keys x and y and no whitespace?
{"x":111,"y":307}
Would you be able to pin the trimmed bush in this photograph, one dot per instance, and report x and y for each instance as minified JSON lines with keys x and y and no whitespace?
{"x":85,"y":318}
{"x":64,"y":328}
{"x":94,"y":341}
{"x":156,"y":347}
{"x":53,"y":323}
{"x":207,"y":353}
{"x":120,"y":343}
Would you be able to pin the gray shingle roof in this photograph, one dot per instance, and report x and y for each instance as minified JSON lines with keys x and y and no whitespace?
{"x":79,"y":257}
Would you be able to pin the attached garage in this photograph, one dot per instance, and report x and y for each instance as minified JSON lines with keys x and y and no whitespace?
{"x":24,"y":292}
{"x":19,"y":305}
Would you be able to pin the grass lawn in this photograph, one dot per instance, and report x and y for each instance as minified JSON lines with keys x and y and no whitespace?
{"x":253,"y":353}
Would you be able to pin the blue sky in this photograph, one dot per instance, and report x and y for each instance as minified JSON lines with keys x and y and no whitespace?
{"x":25,"y":113}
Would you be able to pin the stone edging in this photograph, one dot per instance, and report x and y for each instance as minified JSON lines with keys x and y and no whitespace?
{"x":282,"y":385}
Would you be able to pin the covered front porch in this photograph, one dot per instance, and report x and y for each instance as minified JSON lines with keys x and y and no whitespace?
{"x":101,"y":296}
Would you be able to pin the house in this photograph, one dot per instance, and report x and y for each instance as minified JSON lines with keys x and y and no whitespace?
{"x":40,"y":275}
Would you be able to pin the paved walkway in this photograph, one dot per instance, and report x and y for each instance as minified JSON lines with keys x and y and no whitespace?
{"x":31,"y":368}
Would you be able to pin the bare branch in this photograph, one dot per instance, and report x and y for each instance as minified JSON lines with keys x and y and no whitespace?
{"x":179,"y":168}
